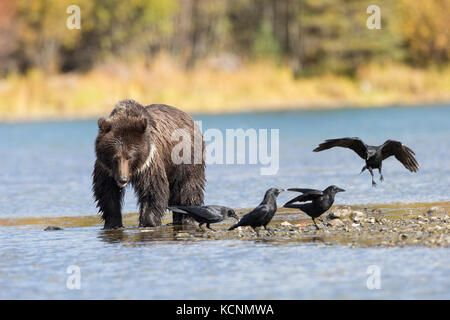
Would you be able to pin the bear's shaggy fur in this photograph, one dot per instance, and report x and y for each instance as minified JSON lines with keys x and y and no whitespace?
{"x":134,"y":145}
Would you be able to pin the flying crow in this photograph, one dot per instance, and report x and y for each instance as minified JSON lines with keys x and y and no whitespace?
{"x":374,"y":155}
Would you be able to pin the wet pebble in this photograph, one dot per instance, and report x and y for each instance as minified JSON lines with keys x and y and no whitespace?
{"x":53,"y":228}
{"x":436,"y":210}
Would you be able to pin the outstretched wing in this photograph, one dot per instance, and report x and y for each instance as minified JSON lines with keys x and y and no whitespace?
{"x":401,"y":152}
{"x":308,"y":195}
{"x":356,"y":144}
{"x":298,"y":206}
{"x":302,"y":190}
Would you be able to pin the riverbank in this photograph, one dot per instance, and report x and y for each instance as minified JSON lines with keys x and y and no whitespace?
{"x":383,"y":225}
{"x":214,"y":87}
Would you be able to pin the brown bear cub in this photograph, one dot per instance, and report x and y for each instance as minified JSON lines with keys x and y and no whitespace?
{"x":134,"y":145}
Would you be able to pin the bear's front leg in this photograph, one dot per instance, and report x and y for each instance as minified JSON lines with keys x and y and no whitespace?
{"x":182,"y":219}
{"x":187,"y":190}
{"x":153,"y":197}
{"x":151,"y":214}
{"x":108,"y":197}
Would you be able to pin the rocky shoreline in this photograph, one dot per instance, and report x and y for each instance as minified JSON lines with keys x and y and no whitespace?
{"x":365,"y":227}
{"x":383,"y":225}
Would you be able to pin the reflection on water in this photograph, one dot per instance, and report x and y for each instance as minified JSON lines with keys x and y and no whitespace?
{"x":137,"y":236}
{"x":182,"y":262}
{"x":128,"y":264}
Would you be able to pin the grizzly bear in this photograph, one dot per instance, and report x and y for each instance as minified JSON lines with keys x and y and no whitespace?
{"x":134,"y":145}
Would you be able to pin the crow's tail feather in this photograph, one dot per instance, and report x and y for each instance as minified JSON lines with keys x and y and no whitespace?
{"x":177,"y":210}
{"x":292,"y":206}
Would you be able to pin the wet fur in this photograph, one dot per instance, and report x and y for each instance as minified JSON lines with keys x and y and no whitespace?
{"x":144,"y":134}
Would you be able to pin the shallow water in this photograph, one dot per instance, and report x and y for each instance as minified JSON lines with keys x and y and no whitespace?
{"x":125,"y":264}
{"x":48,"y":167}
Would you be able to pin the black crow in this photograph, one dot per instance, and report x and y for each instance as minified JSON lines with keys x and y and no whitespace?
{"x":321,"y":201}
{"x":205,"y":214}
{"x":374,"y":155}
{"x":262,"y":214}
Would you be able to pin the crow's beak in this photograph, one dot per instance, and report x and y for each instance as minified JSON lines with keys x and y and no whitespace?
{"x":233,"y":215}
{"x":281,"y":190}
{"x":340,"y":190}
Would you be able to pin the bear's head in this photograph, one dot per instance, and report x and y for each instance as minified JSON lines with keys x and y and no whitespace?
{"x":122,"y":147}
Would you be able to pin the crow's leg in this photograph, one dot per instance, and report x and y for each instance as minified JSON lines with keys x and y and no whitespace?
{"x":256,"y":230}
{"x":381,"y":175}
{"x":363,"y":168}
{"x":269,"y":230}
{"x":321,"y":221}
{"x":317,"y":227}
{"x":200,"y":226}
{"x":373,"y":181}
{"x":207,"y":225}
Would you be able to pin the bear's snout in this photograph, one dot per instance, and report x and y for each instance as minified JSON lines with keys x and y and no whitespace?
{"x":122,"y":182}
{"x":122,"y":175}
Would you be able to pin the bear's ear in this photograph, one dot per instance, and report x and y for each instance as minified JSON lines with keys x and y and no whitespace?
{"x":141,"y":125}
{"x":104,"y":125}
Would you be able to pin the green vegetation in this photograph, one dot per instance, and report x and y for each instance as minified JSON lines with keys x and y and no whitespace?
{"x":219,"y":55}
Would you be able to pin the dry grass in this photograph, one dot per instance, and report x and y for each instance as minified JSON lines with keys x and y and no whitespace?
{"x":256,"y":86}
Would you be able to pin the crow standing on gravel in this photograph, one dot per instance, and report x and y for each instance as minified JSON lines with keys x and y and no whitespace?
{"x":262,"y":214}
{"x":205,"y":214}
{"x":374,"y":155}
{"x":321,"y":201}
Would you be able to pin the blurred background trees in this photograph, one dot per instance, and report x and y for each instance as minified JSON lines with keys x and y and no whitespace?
{"x":310,"y":36}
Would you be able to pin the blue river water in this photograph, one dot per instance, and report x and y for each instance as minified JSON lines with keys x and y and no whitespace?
{"x":46,"y":172}
{"x":47,"y":165}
